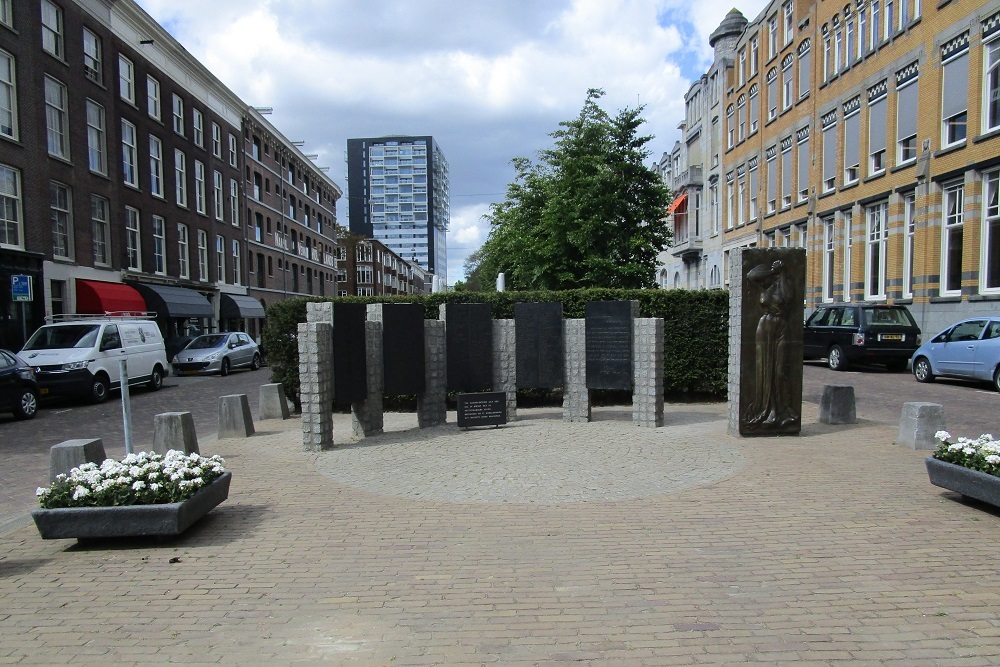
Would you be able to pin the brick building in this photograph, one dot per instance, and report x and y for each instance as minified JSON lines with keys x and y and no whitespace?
{"x":368,"y":267}
{"x":869,"y":134}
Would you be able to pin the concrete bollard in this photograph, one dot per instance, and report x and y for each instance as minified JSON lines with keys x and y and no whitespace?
{"x":837,"y":405}
{"x":273,"y":404}
{"x":918,"y":424}
{"x":174,"y":430}
{"x":70,"y":454}
{"x":234,"y":417}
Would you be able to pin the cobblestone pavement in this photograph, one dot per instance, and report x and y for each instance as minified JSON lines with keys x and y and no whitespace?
{"x":828,"y":548}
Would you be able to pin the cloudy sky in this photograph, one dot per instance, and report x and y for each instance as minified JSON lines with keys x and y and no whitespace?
{"x":489,"y":79}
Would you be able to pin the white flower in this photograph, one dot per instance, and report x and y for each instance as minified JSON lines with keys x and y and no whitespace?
{"x":969,"y":451}
{"x":154,"y":487}
{"x":942,"y":436}
{"x":42,"y":491}
{"x":80,"y":492}
{"x":139,"y":486}
{"x":993,"y":459}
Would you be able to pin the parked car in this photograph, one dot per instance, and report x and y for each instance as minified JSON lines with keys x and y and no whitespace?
{"x":969,"y":349}
{"x":217,"y":353}
{"x":18,"y":387}
{"x":848,"y":333}
{"x":82,"y":356}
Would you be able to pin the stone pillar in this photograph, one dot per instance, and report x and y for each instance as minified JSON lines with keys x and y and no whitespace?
{"x":272,"y":403}
{"x":234,"y":417}
{"x":316,"y":384}
{"x":837,"y":405}
{"x":432,"y":405}
{"x":71,"y":454}
{"x":918,"y":424}
{"x":319,"y":312}
{"x":576,"y":397}
{"x":175,"y":430}
{"x":505,"y":364}
{"x":735,"y":338}
{"x":647,"y":364}
{"x":367,"y":414}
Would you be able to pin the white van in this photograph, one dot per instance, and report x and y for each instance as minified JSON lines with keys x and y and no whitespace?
{"x":82,"y":356}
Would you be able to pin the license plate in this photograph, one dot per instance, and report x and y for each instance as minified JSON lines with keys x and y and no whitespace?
{"x":189,"y":372}
{"x":891,"y":337}
{"x":43,"y":391}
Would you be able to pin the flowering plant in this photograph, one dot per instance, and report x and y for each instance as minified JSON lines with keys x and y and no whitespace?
{"x":982,"y":454}
{"x":138,"y":479}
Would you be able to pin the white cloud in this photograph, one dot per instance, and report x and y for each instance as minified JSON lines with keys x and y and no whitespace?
{"x":489,"y":80}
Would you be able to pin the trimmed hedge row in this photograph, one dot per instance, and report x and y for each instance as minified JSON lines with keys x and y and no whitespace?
{"x":696,"y":329}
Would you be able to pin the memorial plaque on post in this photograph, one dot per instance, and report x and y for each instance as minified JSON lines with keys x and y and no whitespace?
{"x":539,"y":345}
{"x":350,"y":368}
{"x":609,"y":344}
{"x":482,"y":409}
{"x":403,"y":348}
{"x":469,"y":337}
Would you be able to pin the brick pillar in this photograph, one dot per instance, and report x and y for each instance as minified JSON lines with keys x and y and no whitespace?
{"x":432,"y":406}
{"x":504,"y":364}
{"x":367,"y":414}
{"x":316,"y":384}
{"x":647,"y":377}
{"x":576,"y":397}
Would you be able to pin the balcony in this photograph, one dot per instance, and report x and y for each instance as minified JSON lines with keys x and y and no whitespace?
{"x":692,"y":177}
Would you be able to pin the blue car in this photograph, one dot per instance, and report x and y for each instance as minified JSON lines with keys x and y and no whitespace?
{"x":968,"y":350}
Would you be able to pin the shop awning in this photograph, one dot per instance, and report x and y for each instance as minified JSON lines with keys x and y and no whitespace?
{"x":239,"y":306}
{"x":99,"y":297}
{"x":172,"y":301}
{"x":677,"y":203}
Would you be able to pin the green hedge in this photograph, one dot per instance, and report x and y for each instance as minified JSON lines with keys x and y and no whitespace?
{"x":696,"y":329}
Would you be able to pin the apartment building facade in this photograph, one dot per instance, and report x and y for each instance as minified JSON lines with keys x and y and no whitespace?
{"x":869,"y":134}
{"x":368,"y":267}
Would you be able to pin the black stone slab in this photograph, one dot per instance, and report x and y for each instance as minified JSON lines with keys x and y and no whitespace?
{"x":539,"y":343}
{"x":403,"y":348}
{"x":469,"y":337}
{"x":482,"y":409}
{"x":350,"y":360}
{"x":773,"y":286}
{"x":609,"y":344}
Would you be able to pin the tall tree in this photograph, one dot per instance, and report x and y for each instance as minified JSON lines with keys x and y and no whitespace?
{"x":589,"y":213}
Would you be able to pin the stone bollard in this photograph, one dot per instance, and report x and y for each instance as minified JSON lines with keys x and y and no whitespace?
{"x":234,"y":417}
{"x":273,"y":404}
{"x":918,"y":424}
{"x":837,"y":405}
{"x":174,"y":430}
{"x":73,"y":453}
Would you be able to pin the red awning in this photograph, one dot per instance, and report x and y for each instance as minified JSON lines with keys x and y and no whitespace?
{"x":677,"y":203}
{"x":98,"y":297}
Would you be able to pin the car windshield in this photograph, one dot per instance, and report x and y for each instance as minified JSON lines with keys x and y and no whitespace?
{"x":888,"y":317}
{"x":207,"y":341}
{"x":63,"y":337}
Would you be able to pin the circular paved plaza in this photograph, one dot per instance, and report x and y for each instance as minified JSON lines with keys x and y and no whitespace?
{"x":536,"y":459}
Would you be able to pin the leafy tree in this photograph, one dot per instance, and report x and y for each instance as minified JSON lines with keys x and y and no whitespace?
{"x":589,"y":213}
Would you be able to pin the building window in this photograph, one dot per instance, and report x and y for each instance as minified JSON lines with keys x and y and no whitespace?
{"x":731,"y":126}
{"x":220,"y":258}
{"x":951,"y":252}
{"x":731,"y":208}
{"x":93,"y":58}
{"x":741,"y":197}
{"x":8,"y":96}
{"x":182,"y":251}
{"x":991,"y":85}
{"x":7,"y":13}
{"x":830,"y":157}
{"x":713,"y":205}
{"x":200,"y":202}
{"x":52,"y":29}
{"x":742,"y":67}
{"x":10,"y":208}
{"x":100,"y":230}
{"x":237,"y":268}
{"x":772,"y":94}
{"x":888,"y":19}
{"x":62,"y":221}
{"x":991,"y":232}
{"x":202,"y":255}
{"x":826,"y":58}
{"x":155,"y":167}
{"x":199,"y":127}
{"x":955,"y":99}
{"x":56,"y":122}
{"x":772,"y":37}
{"x":910,"y":220}
{"x":876,"y":136}
{"x":787,"y":84}
{"x":126,"y":79}
{"x":96,"y":151}
{"x":838,"y":51}
{"x":178,"y":115}
{"x":741,"y":115}
{"x":130,"y":175}
{"x":754,"y":48}
{"x":153,"y":97}
{"x":804,"y":70}
{"x":829,"y":247}
{"x":216,"y":141}
{"x":876,"y":23}
{"x":849,"y":47}
{"x":803,"y":173}
{"x":852,"y":148}
{"x":789,"y":23}
{"x":159,"y":246}
{"x":132,"y":239}
{"x":753,"y":192}
{"x":862,"y":33}
{"x":232,"y":150}
{"x":878,"y":238}
{"x":180,"y":177}
{"x":786,"y":176}
{"x":217,"y":195}
{"x":234,"y":203}
{"x":772,"y":183}
{"x":754,"y":108}
{"x":848,"y":246}
{"x":906,"y":122}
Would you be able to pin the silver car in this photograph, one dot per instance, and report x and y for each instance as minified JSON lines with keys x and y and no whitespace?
{"x":969,"y":349}
{"x":217,"y":353}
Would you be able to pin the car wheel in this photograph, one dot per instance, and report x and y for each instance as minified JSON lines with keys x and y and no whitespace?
{"x":255,"y":364}
{"x":156,"y":379}
{"x":836,"y":359}
{"x":996,"y":378}
{"x":26,"y":406}
{"x":224,"y":369}
{"x":100,"y":389}
{"x":896,"y":365}
{"x":922,"y":370}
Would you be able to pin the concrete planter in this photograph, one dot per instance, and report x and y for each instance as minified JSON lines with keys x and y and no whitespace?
{"x":130,"y":520}
{"x":970,"y":483}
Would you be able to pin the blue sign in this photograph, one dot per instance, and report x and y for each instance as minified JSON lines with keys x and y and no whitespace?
{"x":20,"y":288}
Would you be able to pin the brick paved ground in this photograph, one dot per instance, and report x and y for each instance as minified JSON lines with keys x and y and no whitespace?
{"x":827,"y":548}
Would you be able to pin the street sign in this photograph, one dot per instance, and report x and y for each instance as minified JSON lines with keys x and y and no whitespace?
{"x":21,"y":288}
